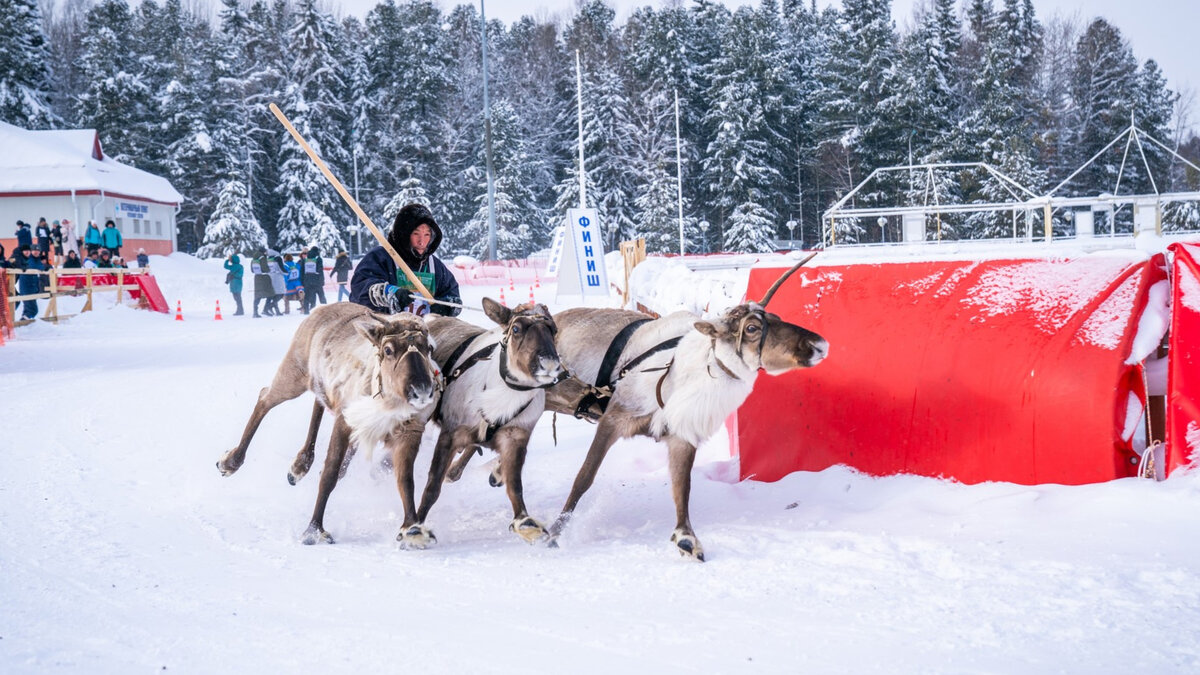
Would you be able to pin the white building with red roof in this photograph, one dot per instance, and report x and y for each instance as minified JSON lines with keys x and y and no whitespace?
{"x":61,"y":174}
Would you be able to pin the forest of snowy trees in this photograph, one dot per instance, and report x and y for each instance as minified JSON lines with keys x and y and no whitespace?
{"x":784,"y":108}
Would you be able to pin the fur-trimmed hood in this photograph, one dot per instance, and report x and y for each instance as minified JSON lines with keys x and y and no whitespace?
{"x":406,"y":221}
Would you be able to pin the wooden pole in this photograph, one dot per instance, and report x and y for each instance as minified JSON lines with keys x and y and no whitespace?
{"x":366,"y":220}
{"x":52,"y":308}
{"x":87,"y":306}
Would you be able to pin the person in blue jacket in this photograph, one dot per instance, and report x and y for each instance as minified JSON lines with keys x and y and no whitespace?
{"x":234,"y":278}
{"x":24,"y":236}
{"x":92,"y":238}
{"x":29,"y":284}
{"x":416,"y":236}
{"x":112,"y":238}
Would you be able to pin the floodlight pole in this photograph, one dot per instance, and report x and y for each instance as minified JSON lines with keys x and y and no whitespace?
{"x":579,"y":116}
{"x":487,"y":141}
{"x":679,"y":175}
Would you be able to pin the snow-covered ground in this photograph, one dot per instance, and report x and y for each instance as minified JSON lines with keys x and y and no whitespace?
{"x":123,"y":550}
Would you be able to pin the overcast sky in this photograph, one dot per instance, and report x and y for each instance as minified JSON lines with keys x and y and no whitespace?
{"x":1158,"y":29}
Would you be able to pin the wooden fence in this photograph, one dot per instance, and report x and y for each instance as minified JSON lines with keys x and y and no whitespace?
{"x":72,"y":283}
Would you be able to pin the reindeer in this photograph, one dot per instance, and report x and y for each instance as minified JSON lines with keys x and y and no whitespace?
{"x":674,"y":379}
{"x":494,"y":395}
{"x":376,"y":374}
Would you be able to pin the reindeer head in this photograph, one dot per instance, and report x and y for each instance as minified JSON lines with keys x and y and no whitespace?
{"x":404,"y":348}
{"x":760,"y":339}
{"x":528,"y":356}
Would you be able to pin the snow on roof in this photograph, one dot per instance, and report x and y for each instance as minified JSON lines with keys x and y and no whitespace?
{"x":51,"y":161}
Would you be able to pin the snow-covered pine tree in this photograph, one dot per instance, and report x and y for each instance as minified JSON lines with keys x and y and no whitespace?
{"x":25,"y":76}
{"x":117,"y":100}
{"x":312,"y":104}
{"x":656,"y":192}
{"x":515,"y":203}
{"x":1103,"y":86}
{"x":606,"y":125}
{"x":232,"y":227}
{"x":1152,"y":111}
{"x":264,"y":51}
{"x":739,"y":166}
{"x":304,"y":218}
{"x":411,"y":191}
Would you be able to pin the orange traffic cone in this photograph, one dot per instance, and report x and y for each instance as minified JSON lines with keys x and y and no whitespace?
{"x":179,"y":310}
{"x":531,"y":300}
{"x":502,"y":301}
{"x":510,"y":283}
{"x":218,"y":316}
{"x":537,"y":283}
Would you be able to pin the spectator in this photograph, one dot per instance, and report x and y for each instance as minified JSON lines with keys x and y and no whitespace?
{"x":143,"y":260}
{"x":314,"y":279}
{"x":92,"y":239}
{"x":415,"y":236}
{"x":72,"y":261}
{"x":118,"y":261}
{"x":234,"y":278}
{"x":92,"y":261}
{"x":278,"y":282}
{"x":294,"y":291}
{"x":56,"y":238}
{"x":24,"y":236}
{"x":4,"y":264}
{"x":112,"y":238}
{"x":263,"y":290}
{"x":70,"y":237}
{"x":341,"y":267}
{"x":30,"y":284}
{"x":105,"y":261}
{"x":42,"y":232}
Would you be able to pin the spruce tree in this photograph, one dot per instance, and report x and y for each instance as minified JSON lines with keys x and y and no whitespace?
{"x":232,"y":227}
{"x":25,"y":78}
{"x":117,"y":100}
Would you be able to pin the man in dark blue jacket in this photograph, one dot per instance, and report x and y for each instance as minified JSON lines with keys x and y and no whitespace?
{"x":24,"y":236}
{"x":377,"y":282}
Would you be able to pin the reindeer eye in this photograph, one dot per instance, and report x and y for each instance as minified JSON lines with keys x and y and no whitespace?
{"x":388,"y":351}
{"x":752,"y":328}
{"x":516,"y":329}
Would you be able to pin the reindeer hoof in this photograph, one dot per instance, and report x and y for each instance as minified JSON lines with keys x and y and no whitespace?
{"x":316,"y":535}
{"x":688,"y":545}
{"x":226,"y":467}
{"x":416,"y":537}
{"x":527,"y":528}
{"x":494,"y":478}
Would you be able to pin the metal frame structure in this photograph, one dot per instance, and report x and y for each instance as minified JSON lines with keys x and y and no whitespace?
{"x":1032,"y":202}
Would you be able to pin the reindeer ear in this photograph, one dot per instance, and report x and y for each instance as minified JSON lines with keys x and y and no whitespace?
{"x":706,"y":328}
{"x":496,"y":311}
{"x":371,"y":330}
{"x":543,"y":310}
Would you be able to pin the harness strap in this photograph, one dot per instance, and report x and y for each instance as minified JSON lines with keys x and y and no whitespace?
{"x":481,"y":355}
{"x":515,"y":386}
{"x":458,"y":351}
{"x":613,"y":354}
{"x":492,"y":427}
{"x":658,"y":387}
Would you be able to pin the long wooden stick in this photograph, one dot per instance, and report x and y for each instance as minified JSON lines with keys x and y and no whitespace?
{"x":350,"y":200}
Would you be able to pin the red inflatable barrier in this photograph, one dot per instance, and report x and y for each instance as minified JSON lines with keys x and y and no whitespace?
{"x":1006,"y":370}
{"x":1183,"y":369}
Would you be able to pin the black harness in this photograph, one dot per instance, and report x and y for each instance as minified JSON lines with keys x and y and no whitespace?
{"x":485,"y":354}
{"x":601,"y":392}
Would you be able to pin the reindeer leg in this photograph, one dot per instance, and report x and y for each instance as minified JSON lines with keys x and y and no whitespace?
{"x":456,"y":469}
{"x":512,"y":444}
{"x":304,"y":458}
{"x":680,"y":460}
{"x":405,"y":444}
{"x":316,"y":534}
{"x":617,"y":423}
{"x":442,"y":452}
{"x":281,"y":389}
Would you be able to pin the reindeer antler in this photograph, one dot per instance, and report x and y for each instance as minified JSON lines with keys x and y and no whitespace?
{"x":779,"y":282}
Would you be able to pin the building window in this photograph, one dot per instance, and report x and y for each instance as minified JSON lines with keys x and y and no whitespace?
{"x":120,"y":223}
{"x":158,"y":227}
{"x":137,"y":226}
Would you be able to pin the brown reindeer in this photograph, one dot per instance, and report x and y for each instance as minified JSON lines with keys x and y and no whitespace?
{"x":494,"y":395}
{"x":375,"y":373}
{"x":674,"y":379}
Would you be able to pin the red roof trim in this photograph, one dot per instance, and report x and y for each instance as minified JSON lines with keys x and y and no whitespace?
{"x":67,"y":193}
{"x":97,"y":152}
